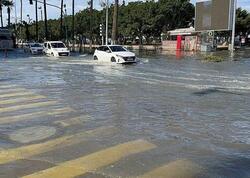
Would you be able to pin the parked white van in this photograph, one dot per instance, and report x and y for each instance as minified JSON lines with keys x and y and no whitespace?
{"x":55,"y":48}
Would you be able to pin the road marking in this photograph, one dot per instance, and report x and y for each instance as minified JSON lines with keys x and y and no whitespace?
{"x":176,"y":169}
{"x":25,"y":152}
{"x":94,"y":161}
{"x":72,"y":121}
{"x":27,"y":106}
{"x":18,"y":100}
{"x":7,"y":86}
{"x":17,"y":118}
{"x":11,"y":90}
{"x":16,"y":94}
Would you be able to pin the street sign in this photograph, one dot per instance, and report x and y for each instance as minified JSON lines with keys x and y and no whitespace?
{"x":214,"y":15}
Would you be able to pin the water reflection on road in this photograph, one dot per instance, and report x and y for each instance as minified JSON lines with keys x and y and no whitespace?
{"x":189,"y":109}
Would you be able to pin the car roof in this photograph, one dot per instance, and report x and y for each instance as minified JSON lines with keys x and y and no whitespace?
{"x":53,"y":42}
{"x":33,"y":43}
{"x":110,"y":45}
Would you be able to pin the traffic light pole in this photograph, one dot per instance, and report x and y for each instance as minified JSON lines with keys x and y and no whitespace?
{"x":52,"y":5}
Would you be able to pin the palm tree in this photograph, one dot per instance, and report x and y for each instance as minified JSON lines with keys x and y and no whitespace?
{"x":115,"y":19}
{"x":8,"y":4}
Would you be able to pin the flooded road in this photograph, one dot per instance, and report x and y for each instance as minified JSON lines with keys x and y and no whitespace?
{"x":163,"y":117}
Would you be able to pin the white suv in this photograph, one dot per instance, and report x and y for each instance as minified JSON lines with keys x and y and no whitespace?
{"x":56,"y":48}
{"x":114,"y":53}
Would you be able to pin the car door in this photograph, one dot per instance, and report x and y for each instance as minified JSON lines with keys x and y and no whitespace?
{"x":45,"y":48}
{"x":49,"y":51}
{"x":107,"y":54}
{"x":101,"y":53}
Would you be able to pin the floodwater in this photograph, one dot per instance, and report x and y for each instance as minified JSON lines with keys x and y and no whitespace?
{"x":195,"y":114}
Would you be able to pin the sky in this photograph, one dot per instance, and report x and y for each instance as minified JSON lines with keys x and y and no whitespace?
{"x":79,"y":4}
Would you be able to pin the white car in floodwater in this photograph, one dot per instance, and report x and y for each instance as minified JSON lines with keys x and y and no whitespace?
{"x":114,"y":53}
{"x":56,"y":48}
{"x":33,"y":48}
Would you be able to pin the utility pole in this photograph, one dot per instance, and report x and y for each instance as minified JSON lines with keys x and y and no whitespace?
{"x":233,"y":27}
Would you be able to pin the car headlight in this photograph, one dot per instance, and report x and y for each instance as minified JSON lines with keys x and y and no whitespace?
{"x":119,"y":56}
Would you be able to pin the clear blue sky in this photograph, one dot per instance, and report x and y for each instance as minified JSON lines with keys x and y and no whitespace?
{"x":80,"y":4}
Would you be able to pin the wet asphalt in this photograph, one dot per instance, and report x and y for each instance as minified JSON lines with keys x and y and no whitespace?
{"x":167,"y":116}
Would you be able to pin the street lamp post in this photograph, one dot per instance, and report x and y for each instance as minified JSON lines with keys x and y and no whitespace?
{"x":29,"y":19}
{"x":40,"y":8}
{"x":65,"y":24}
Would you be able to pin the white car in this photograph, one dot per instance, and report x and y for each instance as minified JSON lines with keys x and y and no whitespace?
{"x":33,"y":48}
{"x":56,"y":48}
{"x":114,"y":53}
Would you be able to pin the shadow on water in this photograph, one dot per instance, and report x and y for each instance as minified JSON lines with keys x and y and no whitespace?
{"x":214,"y":90}
{"x":229,"y":167}
{"x":6,"y":79}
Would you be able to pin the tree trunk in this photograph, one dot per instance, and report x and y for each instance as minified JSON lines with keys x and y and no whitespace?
{"x":73,"y":25}
{"x":37,"y":38}
{"x":8,"y":11}
{"x":1,"y":14}
{"x":91,"y":23}
{"x":45,"y":20}
{"x":21,"y":10}
{"x":115,"y":20}
{"x":61,"y":20}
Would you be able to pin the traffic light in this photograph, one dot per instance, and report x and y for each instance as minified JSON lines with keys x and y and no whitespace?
{"x":101,"y":32}
{"x":31,"y":1}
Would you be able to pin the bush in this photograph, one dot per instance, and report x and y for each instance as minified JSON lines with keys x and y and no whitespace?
{"x":211,"y":58}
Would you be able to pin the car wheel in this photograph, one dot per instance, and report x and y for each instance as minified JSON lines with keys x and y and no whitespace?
{"x":113,"y":59}
{"x":95,"y":58}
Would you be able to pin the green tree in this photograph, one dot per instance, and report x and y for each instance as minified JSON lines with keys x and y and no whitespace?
{"x":176,"y":14}
{"x":242,"y":21}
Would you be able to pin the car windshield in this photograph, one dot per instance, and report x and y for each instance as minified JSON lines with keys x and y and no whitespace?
{"x":117,"y":48}
{"x":35,"y":45}
{"x":57,"y":45}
